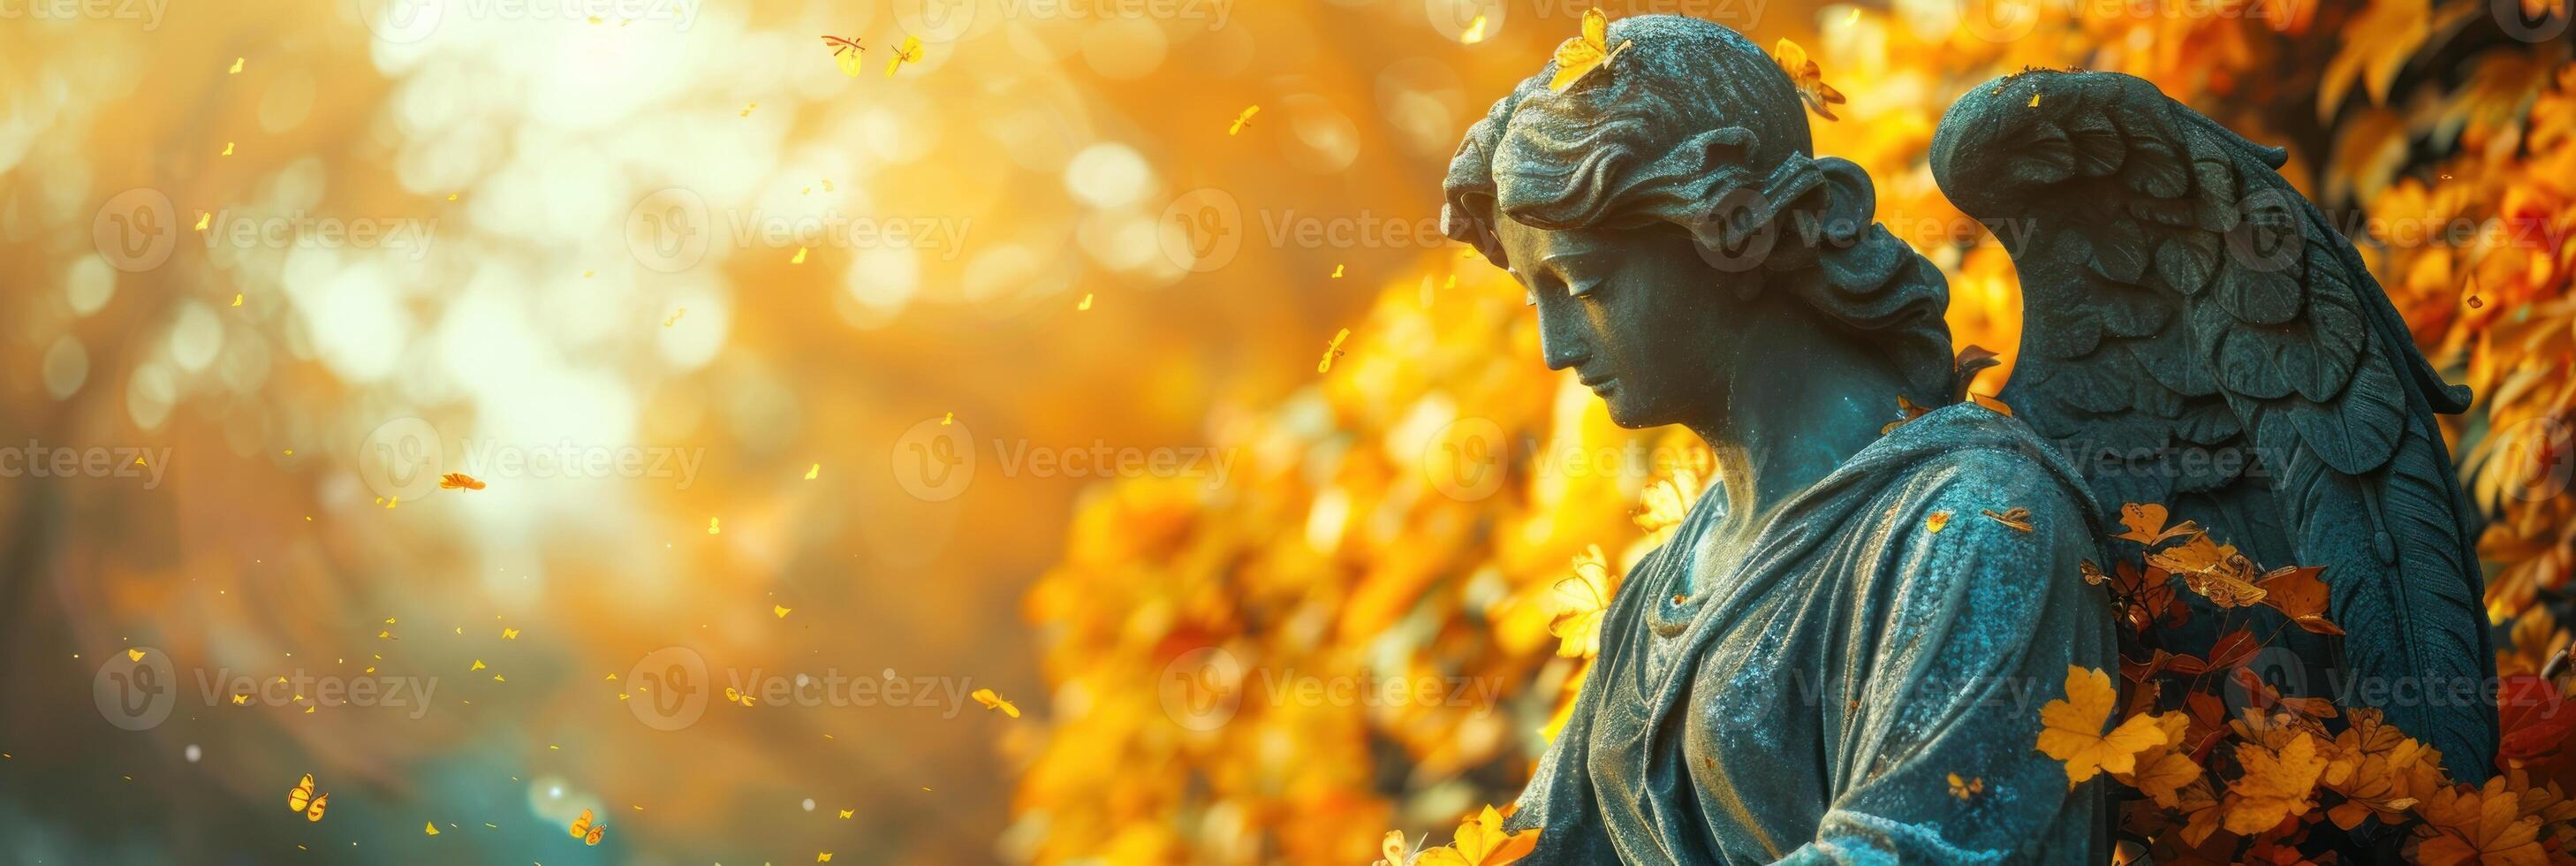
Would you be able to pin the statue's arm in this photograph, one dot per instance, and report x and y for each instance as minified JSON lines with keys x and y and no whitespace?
{"x":1960,"y":638}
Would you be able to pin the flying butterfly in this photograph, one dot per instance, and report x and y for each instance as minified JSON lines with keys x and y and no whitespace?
{"x":587,"y":832}
{"x":1242,"y":120}
{"x":302,"y":799}
{"x":1580,"y":55}
{"x":908,"y":52}
{"x":995,"y":702}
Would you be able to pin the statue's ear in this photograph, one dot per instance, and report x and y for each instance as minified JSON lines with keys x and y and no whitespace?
{"x":1851,"y":203}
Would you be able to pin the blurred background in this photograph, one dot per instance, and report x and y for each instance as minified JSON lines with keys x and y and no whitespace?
{"x":1044,"y":364}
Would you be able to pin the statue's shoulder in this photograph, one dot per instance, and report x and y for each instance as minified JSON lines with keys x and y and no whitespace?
{"x":1966,"y":456}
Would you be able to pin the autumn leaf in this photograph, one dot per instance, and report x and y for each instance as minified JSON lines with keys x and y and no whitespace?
{"x":1482,"y":842}
{"x":2299,"y":595}
{"x":2369,"y":768}
{"x":1905,"y":411}
{"x":1580,"y":601}
{"x":2144,"y":523}
{"x":2215,"y":571}
{"x":2162,"y":770}
{"x":2276,"y":785}
{"x":2469,"y":824}
{"x":2016,"y":517}
{"x":2378,"y":42}
{"x":1810,"y":80}
{"x":2071,"y":730}
{"x":2535,"y":718}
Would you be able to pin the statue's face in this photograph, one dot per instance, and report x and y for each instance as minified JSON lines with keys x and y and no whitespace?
{"x":1637,"y":314}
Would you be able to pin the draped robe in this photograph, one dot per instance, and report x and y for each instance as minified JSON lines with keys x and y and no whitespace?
{"x":1809,"y":703}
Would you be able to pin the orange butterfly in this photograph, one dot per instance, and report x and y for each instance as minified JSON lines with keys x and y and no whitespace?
{"x":459,"y":481}
{"x":302,"y":799}
{"x":586,"y":831}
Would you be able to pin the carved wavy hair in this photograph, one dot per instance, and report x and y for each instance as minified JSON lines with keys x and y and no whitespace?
{"x":1694,"y":126}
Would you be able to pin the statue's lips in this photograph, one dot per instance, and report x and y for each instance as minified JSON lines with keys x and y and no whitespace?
{"x":1601,"y":386}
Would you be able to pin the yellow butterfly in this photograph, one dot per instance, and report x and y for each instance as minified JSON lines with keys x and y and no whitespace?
{"x":993,"y":701}
{"x":586,"y":831}
{"x":1242,"y":120}
{"x":1966,"y":788}
{"x":908,"y":52}
{"x":1577,"y":57}
{"x":1332,"y":350}
{"x":1803,"y":72}
{"x":1398,"y":851}
{"x":302,"y":799}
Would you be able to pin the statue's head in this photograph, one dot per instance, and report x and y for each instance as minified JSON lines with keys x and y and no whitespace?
{"x":1664,"y":203}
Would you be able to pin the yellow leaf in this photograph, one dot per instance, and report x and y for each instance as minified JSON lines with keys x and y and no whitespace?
{"x":781,"y":611}
{"x":2071,"y":729}
{"x":1580,"y":602}
{"x":814,"y":470}
{"x":1936,"y":521}
{"x":1482,"y":842}
{"x":2275,"y":786}
{"x":431,"y":827}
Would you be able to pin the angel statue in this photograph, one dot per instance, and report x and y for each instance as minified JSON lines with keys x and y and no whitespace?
{"x":1864,"y":613}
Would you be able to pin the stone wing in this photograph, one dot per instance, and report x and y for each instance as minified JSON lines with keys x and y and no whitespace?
{"x":2198,"y":333}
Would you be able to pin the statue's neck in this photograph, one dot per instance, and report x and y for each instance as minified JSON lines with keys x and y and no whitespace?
{"x":1783,"y":429}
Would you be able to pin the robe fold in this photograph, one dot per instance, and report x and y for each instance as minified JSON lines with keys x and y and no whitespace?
{"x":1809,"y":703}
